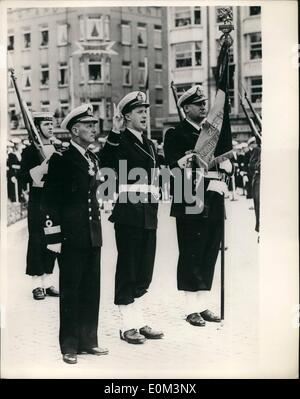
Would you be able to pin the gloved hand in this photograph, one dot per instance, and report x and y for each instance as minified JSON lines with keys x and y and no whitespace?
{"x":39,"y":171}
{"x":182,"y":162}
{"x":118,"y":120}
{"x":226,"y":166}
{"x":54,"y":248}
{"x":217,"y":186}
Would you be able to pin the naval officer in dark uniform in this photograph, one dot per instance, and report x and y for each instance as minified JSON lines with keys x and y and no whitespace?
{"x":39,"y":260}
{"x":135,"y":223}
{"x":199,"y":235}
{"x":72,"y":228}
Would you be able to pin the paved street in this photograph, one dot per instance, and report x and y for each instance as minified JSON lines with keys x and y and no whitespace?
{"x":229,"y":350}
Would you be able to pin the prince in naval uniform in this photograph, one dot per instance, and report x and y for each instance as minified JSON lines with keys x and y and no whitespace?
{"x":73,"y":229}
{"x":199,"y":235}
{"x":135,"y":223}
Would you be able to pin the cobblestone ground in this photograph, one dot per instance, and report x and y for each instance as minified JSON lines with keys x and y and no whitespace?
{"x":230,"y":350}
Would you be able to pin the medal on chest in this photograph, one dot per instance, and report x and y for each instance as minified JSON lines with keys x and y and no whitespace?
{"x":91,"y":170}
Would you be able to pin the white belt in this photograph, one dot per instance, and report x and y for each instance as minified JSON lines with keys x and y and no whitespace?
{"x":139,"y":188}
{"x":213,"y":175}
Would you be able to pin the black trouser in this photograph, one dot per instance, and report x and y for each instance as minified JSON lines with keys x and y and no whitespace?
{"x":199,"y":243}
{"x":249,"y":186}
{"x":39,"y":259}
{"x":136,"y":253}
{"x":79,"y":282}
{"x":256,"y":196}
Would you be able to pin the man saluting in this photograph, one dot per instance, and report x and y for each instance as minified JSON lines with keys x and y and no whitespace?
{"x":135,"y":221}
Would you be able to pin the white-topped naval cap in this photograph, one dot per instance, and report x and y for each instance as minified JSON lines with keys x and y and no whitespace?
{"x":42,"y":116}
{"x":193,"y":95}
{"x":132,"y":100}
{"x":83,"y":113}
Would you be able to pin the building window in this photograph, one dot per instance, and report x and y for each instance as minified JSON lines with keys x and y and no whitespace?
{"x":126,"y":67}
{"x":142,"y":78}
{"x":98,"y":107}
{"x":197,"y":15}
{"x":159,"y":102}
{"x":45,"y":106}
{"x":82,"y":72}
{"x":183,"y":55}
{"x":182,"y":16}
{"x":94,"y":28}
{"x":44,"y":37}
{"x":44,"y":76}
{"x":157,"y":37}
{"x":142,"y":36}
{"x":106,"y":28}
{"x":158,"y":75}
{"x":27,"y":40}
{"x":256,"y":89}
{"x":198,"y":54}
{"x":108,"y":109}
{"x":255,"y":46}
{"x":64,"y":108}
{"x":254,"y":11}
{"x":95,"y":71}
{"x":62,"y":35}
{"x":26,"y":78}
{"x":13,"y":117}
{"x":107,"y":71}
{"x":125,"y":33}
{"x":63,"y":74}
{"x":81,"y":28}
{"x":10,"y":43}
{"x":218,"y":18}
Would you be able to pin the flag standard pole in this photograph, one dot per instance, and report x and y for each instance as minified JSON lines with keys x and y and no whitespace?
{"x":223,"y":261}
{"x":148,"y":97}
{"x":226,"y":16}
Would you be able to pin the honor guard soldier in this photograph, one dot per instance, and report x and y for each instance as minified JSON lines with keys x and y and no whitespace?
{"x":199,"y":235}
{"x":251,"y":143}
{"x":40,"y":261}
{"x":135,"y":223}
{"x":254,"y":170}
{"x":72,"y":228}
{"x":14,"y":165}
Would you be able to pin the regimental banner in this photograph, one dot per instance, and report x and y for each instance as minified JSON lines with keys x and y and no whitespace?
{"x":211,"y":129}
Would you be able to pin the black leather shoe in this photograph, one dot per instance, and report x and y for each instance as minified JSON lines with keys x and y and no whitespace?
{"x":149,"y":333}
{"x":132,"y":336}
{"x":95,"y":351}
{"x":210,"y":316}
{"x":51,"y":291}
{"x":195,"y":319}
{"x":38,"y":293}
{"x":70,"y":358}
